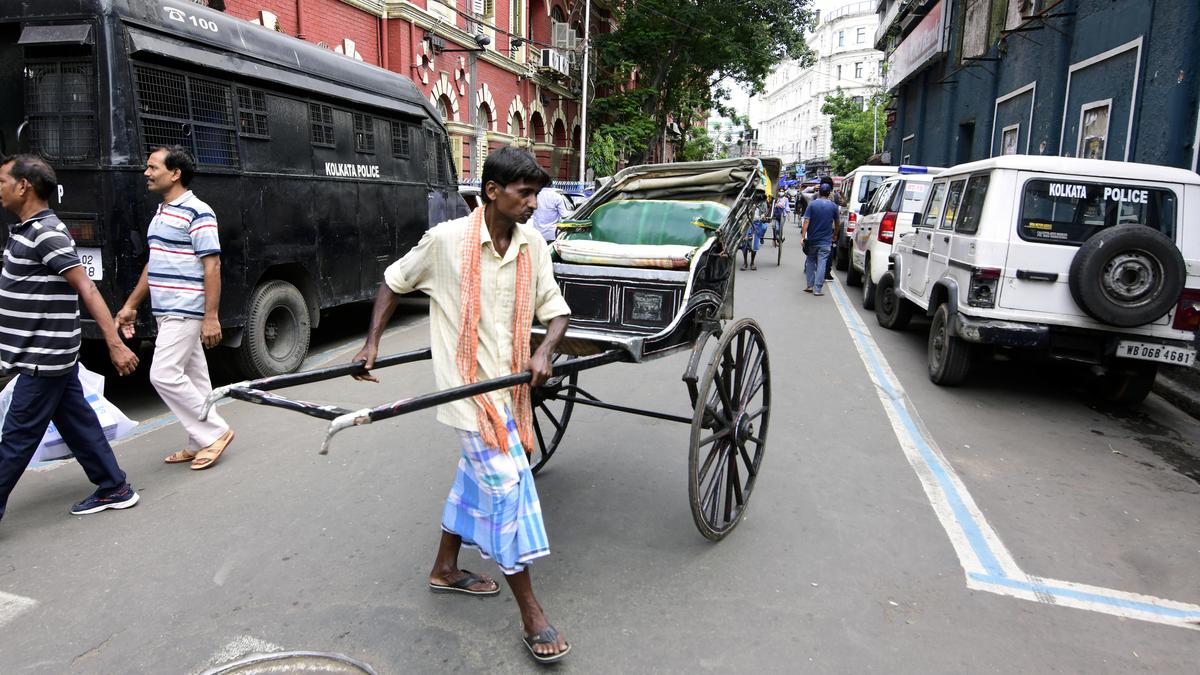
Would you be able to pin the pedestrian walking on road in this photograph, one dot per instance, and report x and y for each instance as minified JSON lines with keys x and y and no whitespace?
{"x":552,"y":207}
{"x":40,"y":289}
{"x":183,"y":280}
{"x":820,"y":222}
{"x":781,"y":209}
{"x":488,"y":275}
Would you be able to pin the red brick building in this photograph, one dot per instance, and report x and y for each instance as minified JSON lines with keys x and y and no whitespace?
{"x":524,"y":92}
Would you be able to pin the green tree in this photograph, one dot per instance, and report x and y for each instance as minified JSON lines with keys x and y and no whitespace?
{"x":698,"y":146}
{"x":676,"y":53}
{"x":602,"y":155}
{"x":851,"y":136}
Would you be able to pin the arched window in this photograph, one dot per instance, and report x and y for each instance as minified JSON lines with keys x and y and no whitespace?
{"x":560,"y":134}
{"x":444,"y":107}
{"x":537,"y":127}
{"x":557,"y":14}
{"x":485,"y":116}
{"x":516,"y":125}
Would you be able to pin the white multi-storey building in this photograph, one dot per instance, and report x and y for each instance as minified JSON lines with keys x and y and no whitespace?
{"x":788,"y":115}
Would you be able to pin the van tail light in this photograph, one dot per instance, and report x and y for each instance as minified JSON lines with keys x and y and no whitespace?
{"x":887,"y":227}
{"x":984,"y":281}
{"x":1187,"y":314}
{"x":851,"y":219}
{"x":81,"y":230}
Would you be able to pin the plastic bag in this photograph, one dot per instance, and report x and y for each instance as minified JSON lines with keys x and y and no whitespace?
{"x":112,"y":420}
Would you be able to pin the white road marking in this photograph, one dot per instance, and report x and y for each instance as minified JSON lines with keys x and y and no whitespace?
{"x":986,"y":563}
{"x":12,"y":605}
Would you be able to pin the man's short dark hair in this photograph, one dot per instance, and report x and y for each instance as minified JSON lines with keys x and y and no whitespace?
{"x":509,"y":165}
{"x":178,"y":157}
{"x":35,"y":170}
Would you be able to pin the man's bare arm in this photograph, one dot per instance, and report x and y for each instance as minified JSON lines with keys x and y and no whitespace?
{"x":124,"y":360}
{"x":541,"y":363}
{"x":381,"y":313}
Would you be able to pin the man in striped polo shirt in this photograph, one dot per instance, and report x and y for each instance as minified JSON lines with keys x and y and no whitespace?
{"x":40,"y":287}
{"x":183,"y":279}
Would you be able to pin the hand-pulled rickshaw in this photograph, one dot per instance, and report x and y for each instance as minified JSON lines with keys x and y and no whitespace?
{"x":647,"y":267}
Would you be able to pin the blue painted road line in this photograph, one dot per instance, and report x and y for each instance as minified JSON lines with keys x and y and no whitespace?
{"x":973,"y":539}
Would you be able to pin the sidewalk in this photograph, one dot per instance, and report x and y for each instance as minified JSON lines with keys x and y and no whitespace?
{"x":1181,"y":386}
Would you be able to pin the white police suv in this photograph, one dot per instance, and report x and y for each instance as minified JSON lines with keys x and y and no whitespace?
{"x":1082,"y":260}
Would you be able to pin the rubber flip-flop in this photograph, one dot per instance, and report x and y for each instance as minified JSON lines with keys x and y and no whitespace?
{"x":547,"y":636}
{"x":463,"y":586}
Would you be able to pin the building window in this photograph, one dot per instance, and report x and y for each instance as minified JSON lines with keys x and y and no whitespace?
{"x":364,"y":133}
{"x":841,"y":38}
{"x":320,"y":124}
{"x":1093,"y":129}
{"x":252,"y":113}
{"x":858,"y":70}
{"x":858,"y":102}
{"x":839,"y":72}
{"x":860,"y":36}
{"x":400,"y":140}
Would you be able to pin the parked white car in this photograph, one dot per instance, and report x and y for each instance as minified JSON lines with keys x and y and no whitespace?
{"x":855,"y":191}
{"x":889,"y":215}
{"x":1082,"y":260}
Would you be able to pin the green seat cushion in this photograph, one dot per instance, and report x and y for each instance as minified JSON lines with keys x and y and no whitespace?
{"x":652,"y":221}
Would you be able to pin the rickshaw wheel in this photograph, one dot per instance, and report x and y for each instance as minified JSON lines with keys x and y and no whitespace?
{"x":729,"y":429}
{"x":551,"y":415}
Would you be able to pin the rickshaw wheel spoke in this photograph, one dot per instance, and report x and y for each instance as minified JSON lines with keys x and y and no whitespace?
{"x":549,"y":405}
{"x":729,"y":429}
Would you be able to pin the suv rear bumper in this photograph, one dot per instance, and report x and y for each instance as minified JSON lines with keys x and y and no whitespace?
{"x":1071,"y":344}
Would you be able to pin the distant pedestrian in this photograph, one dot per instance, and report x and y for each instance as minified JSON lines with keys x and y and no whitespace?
{"x":40,"y":290}
{"x":752,"y":241}
{"x":820,"y":222}
{"x":183,"y":279}
{"x":781,"y":208}
{"x":837,"y":229}
{"x":551,"y":208}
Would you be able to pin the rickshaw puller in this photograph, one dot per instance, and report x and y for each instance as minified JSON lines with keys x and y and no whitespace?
{"x":487,"y":276}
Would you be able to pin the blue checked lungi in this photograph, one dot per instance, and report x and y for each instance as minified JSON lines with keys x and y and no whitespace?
{"x":493,"y":504}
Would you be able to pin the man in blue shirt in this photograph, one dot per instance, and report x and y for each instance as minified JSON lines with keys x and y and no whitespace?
{"x":820,"y":220}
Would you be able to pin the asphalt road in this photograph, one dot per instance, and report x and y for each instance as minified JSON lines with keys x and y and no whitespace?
{"x":1003,"y":526}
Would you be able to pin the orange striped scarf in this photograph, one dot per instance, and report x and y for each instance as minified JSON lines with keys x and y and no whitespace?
{"x":492,"y":427}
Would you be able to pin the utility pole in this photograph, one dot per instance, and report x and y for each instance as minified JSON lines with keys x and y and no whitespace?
{"x":587,"y":44}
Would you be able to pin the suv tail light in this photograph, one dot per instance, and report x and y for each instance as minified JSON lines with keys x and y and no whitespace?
{"x":851,"y":219}
{"x":887,"y":228}
{"x":982,"y":291}
{"x":1187,"y":314}
{"x":82,"y":230}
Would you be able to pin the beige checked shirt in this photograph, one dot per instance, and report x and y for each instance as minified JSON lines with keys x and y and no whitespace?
{"x":434,"y":266}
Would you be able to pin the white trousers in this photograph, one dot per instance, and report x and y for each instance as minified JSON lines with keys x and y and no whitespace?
{"x":180,"y":376}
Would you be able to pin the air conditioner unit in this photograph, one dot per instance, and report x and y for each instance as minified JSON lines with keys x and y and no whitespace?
{"x":552,"y":59}
{"x":572,"y":39}
{"x":560,"y":35}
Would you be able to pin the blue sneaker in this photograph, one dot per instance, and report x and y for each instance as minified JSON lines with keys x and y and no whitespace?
{"x":121,"y":498}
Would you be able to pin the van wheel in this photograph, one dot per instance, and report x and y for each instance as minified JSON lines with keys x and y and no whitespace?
{"x":1127,"y":275}
{"x":278,"y":330}
{"x":868,"y":287}
{"x":949,"y":356}
{"x":841,"y":262}
{"x":891,"y":311}
{"x":853,"y":276}
{"x":1127,"y":383}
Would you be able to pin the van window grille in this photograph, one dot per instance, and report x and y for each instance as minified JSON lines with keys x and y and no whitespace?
{"x":400,"y":139}
{"x":252,"y":113}
{"x":430,"y":156}
{"x":320,"y":118}
{"x":197,"y":113}
{"x":364,"y":133}
{"x":60,"y":100}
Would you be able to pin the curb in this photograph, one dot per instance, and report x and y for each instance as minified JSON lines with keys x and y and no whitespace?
{"x":1180,"y":387}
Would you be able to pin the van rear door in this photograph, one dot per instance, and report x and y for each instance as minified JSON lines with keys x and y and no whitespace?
{"x":1055,"y":215}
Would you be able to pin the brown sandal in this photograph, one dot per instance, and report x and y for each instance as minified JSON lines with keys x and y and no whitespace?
{"x":179,"y":457}
{"x":209,"y":455}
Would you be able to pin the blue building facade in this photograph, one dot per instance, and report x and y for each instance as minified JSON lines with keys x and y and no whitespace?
{"x":1109,"y":79}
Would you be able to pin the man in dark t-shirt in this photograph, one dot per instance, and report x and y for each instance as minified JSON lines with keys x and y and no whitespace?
{"x":40,"y":289}
{"x":820,"y":219}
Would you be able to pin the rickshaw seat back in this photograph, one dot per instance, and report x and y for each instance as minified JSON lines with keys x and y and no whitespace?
{"x":652,"y":222}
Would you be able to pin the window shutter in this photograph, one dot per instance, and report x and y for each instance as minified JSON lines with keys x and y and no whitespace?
{"x":477,"y":7}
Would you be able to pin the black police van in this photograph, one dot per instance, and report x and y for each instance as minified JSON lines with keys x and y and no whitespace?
{"x":321,"y":169}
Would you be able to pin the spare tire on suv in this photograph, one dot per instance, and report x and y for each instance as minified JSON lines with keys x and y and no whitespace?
{"x":1127,"y":275}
